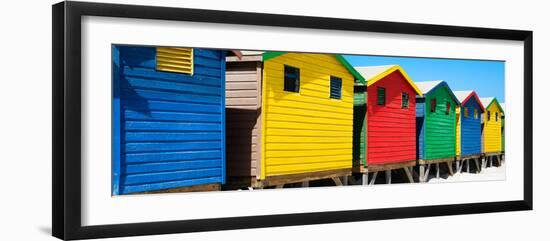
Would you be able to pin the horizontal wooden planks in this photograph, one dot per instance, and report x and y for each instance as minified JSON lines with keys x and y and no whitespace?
{"x":470,"y":129}
{"x":440,"y":127}
{"x":391,"y":127}
{"x":242,"y":111}
{"x":299,"y":127}
{"x":172,"y":125}
{"x":492,"y":131}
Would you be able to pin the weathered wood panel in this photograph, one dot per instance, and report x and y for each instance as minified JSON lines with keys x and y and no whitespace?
{"x":170,"y":126}
{"x":243,"y":112}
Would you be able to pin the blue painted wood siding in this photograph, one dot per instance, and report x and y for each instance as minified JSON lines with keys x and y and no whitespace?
{"x":168,"y":128}
{"x":420,"y":111}
{"x":470,"y":129}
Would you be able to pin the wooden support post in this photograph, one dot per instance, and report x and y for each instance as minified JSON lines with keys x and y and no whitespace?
{"x":388,"y":176}
{"x":409,"y":175}
{"x":365,"y":179}
{"x":490,"y":161}
{"x":437,"y":170}
{"x":373,"y":180}
{"x":305,"y":184}
{"x":450,"y":167}
{"x":483,"y":163}
{"x":280,"y":186}
{"x":345,"y":180}
{"x":421,"y":177}
{"x":478,"y":169}
{"x":428,"y":167}
{"x":499,"y":160}
{"x":337,"y":181}
{"x":458,"y":166}
{"x":467,"y":165}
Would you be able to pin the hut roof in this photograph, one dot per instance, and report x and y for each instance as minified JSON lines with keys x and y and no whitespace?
{"x":266,"y":55}
{"x":464,"y":95}
{"x":373,"y":74}
{"x":487,"y":101}
{"x":428,"y":86}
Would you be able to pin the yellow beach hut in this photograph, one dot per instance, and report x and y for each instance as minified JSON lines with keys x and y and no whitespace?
{"x":491,"y":129}
{"x":289,"y":118}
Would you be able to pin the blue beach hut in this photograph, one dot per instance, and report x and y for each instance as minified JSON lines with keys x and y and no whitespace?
{"x":468,"y":134}
{"x":168,"y":119}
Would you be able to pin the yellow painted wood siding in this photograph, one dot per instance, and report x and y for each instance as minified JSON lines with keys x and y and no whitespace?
{"x":306,"y":131}
{"x":458,"y":130}
{"x":492,"y":137}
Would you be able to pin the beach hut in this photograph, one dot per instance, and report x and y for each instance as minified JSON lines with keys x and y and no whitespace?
{"x":384,"y":125}
{"x":468,"y":129}
{"x":168,"y":119}
{"x":289,"y":118}
{"x":435,"y":126}
{"x":503,"y":106}
{"x":491,"y":130}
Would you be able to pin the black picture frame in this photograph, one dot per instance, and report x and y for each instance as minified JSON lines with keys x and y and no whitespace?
{"x":66,"y":75}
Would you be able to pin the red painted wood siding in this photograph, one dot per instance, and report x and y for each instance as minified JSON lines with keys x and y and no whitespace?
{"x":391,"y":129}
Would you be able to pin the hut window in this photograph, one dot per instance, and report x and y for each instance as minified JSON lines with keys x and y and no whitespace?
{"x":404,"y":100}
{"x":475,"y":114}
{"x":466,"y":112}
{"x":177,"y":60}
{"x":448,"y":108}
{"x":335,"y":87}
{"x":292,"y":79}
{"x":496,"y":116}
{"x":488,"y":115}
{"x":381,"y":96}
{"x":433,"y":103}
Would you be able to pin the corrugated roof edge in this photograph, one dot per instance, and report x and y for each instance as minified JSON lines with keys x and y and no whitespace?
{"x":272,"y":54}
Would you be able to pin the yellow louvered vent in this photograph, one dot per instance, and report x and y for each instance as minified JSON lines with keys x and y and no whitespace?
{"x":179,"y":60}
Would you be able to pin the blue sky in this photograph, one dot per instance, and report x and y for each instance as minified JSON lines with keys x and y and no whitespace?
{"x":483,"y":76}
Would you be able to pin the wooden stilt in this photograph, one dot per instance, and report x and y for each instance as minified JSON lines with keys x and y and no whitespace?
{"x":345,"y":180}
{"x":499,"y":160}
{"x":467,"y":165}
{"x":388,"y":176}
{"x":437,"y":170}
{"x":337,"y":181}
{"x":305,"y":184}
{"x":458,"y":166}
{"x":450,"y":167}
{"x":490,"y":161}
{"x":280,"y":186}
{"x":476,"y":162}
{"x":408,"y":174}
{"x":421,"y":177}
{"x":365,"y":179}
{"x":373,"y":180}
{"x":427,"y":174}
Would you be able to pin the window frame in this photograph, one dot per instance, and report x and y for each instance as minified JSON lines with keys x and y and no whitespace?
{"x":405,"y":104}
{"x":488,"y":115}
{"x":296,"y":79}
{"x":378,"y":89}
{"x":337,"y":80}
{"x":433,"y":105}
{"x":466,"y":113}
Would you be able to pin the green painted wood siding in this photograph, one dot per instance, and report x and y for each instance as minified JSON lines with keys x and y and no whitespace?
{"x":359,"y":125}
{"x":440,"y":132}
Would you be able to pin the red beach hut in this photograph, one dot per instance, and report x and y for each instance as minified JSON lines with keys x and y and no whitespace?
{"x":390,"y":121}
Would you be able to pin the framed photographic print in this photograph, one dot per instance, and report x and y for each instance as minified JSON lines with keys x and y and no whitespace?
{"x":172,"y":120}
